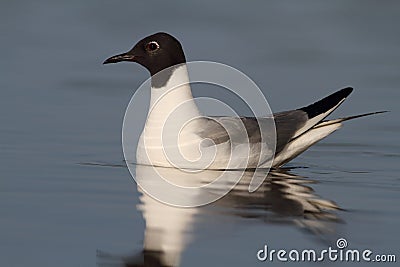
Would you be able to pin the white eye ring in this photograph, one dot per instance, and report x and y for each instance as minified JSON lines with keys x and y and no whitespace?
{"x":152,"y":46}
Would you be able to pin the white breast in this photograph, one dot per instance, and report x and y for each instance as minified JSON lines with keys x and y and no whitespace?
{"x":168,"y":137}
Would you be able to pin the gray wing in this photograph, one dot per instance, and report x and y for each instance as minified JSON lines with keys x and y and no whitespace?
{"x":215,"y":128}
{"x":287,"y":124}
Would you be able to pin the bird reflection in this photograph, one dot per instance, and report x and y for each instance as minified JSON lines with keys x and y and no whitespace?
{"x":282,"y":198}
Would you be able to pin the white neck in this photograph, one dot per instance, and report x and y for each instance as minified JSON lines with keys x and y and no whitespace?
{"x":171,"y":108}
{"x":176,"y":93}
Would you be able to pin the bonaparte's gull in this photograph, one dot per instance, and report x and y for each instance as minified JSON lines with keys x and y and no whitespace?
{"x":296,"y":130}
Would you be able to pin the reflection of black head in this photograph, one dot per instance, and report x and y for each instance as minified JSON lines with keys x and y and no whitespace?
{"x":155,"y":52}
{"x":145,"y":258}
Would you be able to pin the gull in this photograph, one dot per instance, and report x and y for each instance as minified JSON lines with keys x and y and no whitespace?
{"x":177,"y":134}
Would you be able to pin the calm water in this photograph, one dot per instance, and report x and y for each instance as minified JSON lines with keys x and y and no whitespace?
{"x":61,"y":109}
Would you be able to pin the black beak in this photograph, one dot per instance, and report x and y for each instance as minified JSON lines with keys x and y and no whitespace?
{"x":121,"y":57}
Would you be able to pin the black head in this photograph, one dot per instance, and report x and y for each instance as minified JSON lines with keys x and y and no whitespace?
{"x":155,"y":52}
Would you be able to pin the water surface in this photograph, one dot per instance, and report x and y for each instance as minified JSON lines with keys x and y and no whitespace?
{"x":60,"y":108}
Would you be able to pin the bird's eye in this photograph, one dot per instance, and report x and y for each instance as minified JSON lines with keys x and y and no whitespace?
{"x":152,"y":46}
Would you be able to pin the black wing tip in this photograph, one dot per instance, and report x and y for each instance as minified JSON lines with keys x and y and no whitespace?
{"x":362,"y":115}
{"x":342,"y":93}
{"x":327,"y":103}
{"x":371,"y":113}
{"x":346,"y":91}
{"x":379,"y":112}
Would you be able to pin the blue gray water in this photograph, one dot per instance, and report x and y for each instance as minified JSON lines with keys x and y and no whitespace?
{"x":60,"y":108}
